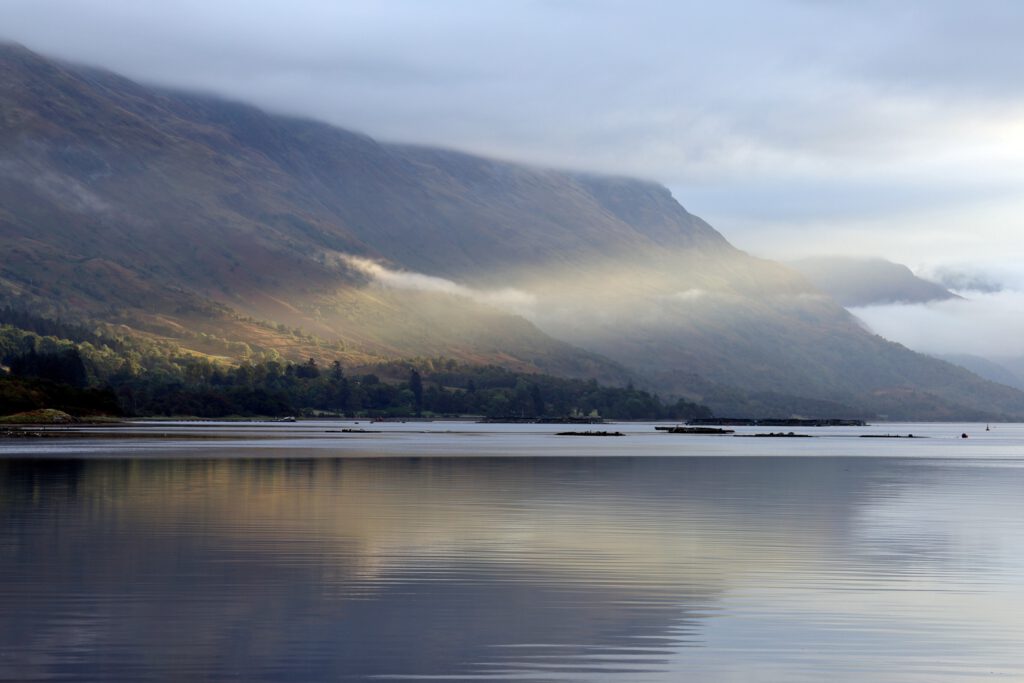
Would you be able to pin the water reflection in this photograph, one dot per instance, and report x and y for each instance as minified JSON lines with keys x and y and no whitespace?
{"x":536,"y":569}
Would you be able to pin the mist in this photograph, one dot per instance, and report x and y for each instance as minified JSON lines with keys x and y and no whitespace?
{"x":793,"y":127}
{"x":508,"y":299}
{"x":987,"y":324}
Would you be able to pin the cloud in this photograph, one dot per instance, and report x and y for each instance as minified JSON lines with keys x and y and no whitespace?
{"x":973,"y":279}
{"x":987,"y":324}
{"x":514,"y":300}
{"x":873,"y":124}
{"x":689,"y":295}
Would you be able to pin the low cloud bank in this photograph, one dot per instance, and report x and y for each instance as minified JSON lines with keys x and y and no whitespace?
{"x":967,"y":280}
{"x":514,"y":300}
{"x":988,"y":324}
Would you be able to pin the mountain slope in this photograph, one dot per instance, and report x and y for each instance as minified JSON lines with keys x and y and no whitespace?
{"x":179,"y":214}
{"x":868,"y":281}
{"x":989,"y":369}
{"x":135,"y":207}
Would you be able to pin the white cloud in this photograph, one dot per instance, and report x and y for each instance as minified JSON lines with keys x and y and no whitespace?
{"x":986,"y":324}
{"x":514,"y":300}
{"x":688,"y":295}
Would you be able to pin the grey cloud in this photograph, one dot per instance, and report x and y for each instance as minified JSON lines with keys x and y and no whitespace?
{"x":988,"y":322}
{"x":977,"y":279}
{"x":812,"y":117}
{"x":956,"y":49}
{"x":987,"y":325}
{"x":799,"y":199}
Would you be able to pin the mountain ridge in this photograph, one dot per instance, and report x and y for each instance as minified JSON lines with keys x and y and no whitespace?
{"x":184,"y":213}
{"x":855,"y":281}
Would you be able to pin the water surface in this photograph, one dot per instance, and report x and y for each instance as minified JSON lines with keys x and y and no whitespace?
{"x":316,"y":555}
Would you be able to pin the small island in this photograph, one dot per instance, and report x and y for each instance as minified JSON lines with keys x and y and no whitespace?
{"x":778,"y":435}
{"x":589,"y":434}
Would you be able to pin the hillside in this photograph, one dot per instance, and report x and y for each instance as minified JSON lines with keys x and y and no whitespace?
{"x":93,"y":371}
{"x":135,"y":207}
{"x":868,"y":281}
{"x":994,"y":370}
{"x":224,"y":228}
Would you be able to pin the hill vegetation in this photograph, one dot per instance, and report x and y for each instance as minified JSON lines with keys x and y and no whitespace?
{"x":221,"y":234}
{"x":87,"y":372}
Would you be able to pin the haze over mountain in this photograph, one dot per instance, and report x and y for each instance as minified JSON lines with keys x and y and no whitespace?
{"x":798,"y":128}
{"x":994,"y":371}
{"x":176,"y":214}
{"x":868,"y":281}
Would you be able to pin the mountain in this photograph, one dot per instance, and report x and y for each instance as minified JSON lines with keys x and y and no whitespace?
{"x":162,"y":213}
{"x":1014,"y":364}
{"x":225,"y":228}
{"x":868,"y":281}
{"x":992,"y":370}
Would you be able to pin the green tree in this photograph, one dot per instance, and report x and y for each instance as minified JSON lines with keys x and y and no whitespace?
{"x":416,"y":387}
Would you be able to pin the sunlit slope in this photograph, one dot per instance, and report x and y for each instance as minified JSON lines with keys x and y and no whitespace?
{"x":181,"y":217}
{"x":179,"y":214}
{"x":748,"y":336}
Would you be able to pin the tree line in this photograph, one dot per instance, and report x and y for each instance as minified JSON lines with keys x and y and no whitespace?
{"x":92,"y":370}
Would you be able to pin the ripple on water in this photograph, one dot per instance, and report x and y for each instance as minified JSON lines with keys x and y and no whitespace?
{"x":646,"y":569}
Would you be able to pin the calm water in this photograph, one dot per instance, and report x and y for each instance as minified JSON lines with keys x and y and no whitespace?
{"x":295,"y":553}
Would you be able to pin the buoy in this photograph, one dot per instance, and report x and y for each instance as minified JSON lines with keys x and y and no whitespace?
{"x":964,"y":435}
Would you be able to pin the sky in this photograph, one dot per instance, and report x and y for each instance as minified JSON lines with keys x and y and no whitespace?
{"x":796,"y":127}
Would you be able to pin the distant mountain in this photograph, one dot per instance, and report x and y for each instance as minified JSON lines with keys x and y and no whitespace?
{"x":1014,"y":364}
{"x":991,"y":370}
{"x":968,"y":280}
{"x":868,"y":281}
{"x":225,"y":228}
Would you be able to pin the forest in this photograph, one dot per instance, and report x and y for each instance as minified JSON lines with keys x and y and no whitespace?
{"x":92,"y":370}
